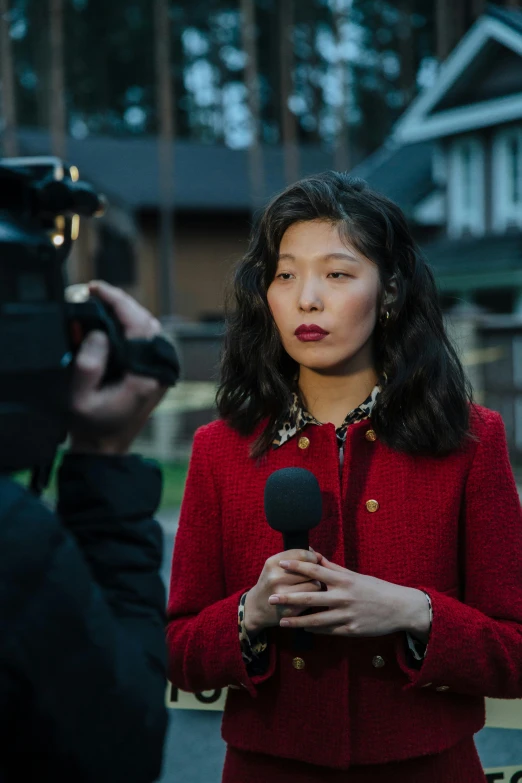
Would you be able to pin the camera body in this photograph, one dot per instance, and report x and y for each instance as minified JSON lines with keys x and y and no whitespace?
{"x":41,"y":201}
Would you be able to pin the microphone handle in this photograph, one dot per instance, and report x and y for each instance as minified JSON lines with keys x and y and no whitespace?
{"x":296,"y":540}
{"x":303,"y":641}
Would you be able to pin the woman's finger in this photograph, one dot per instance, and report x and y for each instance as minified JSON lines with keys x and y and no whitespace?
{"x":317,"y":572}
{"x":327,"y":619}
{"x":328,"y":564}
{"x":302,"y":587}
{"x":305,"y":598}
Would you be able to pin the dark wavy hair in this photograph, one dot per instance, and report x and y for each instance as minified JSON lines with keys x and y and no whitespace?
{"x":424,"y":405}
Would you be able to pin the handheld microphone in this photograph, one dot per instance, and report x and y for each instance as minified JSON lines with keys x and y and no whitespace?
{"x":293,"y":506}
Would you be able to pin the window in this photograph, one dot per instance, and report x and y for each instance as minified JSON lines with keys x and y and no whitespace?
{"x":517,"y":364}
{"x":466,"y":202}
{"x":507,"y":179}
{"x":518,"y":423}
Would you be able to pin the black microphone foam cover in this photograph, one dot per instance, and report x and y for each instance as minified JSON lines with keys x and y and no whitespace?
{"x":293,"y":501}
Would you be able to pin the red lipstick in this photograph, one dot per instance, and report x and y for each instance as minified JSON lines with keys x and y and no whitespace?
{"x":308,"y":333}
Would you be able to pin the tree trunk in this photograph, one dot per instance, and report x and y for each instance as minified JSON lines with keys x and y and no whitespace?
{"x":453,"y":20}
{"x":40,"y":37}
{"x":8,"y":105}
{"x":406,"y":50}
{"x":445,"y":28}
{"x":342,"y":142}
{"x":477,"y":8}
{"x":166,"y":137}
{"x":248,"y":31}
{"x":57,"y":104}
{"x":286,"y":64}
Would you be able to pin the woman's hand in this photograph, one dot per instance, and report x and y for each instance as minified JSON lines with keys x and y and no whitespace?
{"x":259,"y":613}
{"x":357,"y":605}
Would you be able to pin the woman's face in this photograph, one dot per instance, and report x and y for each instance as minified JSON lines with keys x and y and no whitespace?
{"x":323,"y":299}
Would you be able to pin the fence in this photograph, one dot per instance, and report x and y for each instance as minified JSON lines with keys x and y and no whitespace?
{"x":168,"y":433}
{"x":501,"y":337}
{"x":490,"y":347}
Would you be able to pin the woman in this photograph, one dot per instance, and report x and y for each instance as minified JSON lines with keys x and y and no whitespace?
{"x":336,"y":360}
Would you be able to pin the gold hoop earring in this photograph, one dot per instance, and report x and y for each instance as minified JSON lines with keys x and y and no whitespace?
{"x":385,"y":318}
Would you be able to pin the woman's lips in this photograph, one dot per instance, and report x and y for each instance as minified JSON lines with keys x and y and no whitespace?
{"x":310,"y":333}
{"x":310,"y":337}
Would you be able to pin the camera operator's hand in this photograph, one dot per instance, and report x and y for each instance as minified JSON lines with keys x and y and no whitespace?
{"x":106,"y":419}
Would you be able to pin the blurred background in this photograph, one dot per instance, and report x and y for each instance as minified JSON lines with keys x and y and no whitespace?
{"x":190,"y":115}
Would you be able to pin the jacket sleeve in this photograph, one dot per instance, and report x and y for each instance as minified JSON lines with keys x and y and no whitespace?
{"x":87,"y":638}
{"x":203,"y":630}
{"x":475,"y":645}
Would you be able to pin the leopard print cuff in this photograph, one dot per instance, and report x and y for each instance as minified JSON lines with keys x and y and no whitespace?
{"x":250,"y":648}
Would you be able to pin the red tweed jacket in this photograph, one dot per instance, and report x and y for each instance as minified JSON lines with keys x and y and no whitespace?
{"x":451,"y":526}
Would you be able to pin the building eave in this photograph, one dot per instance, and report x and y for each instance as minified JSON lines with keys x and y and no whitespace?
{"x":415,"y":124}
{"x":478,"y":281}
{"x":462,"y":120}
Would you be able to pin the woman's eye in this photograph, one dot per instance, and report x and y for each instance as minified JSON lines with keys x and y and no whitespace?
{"x":284,"y":276}
{"x":338,"y":275}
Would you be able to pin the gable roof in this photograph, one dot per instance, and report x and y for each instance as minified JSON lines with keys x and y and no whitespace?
{"x":205,"y":177}
{"x":510,"y":16}
{"x":402,"y":173}
{"x":498,"y":32}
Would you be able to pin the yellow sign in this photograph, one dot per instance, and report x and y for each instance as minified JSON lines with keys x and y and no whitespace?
{"x":500,"y":713}
{"x":504,"y":774}
{"x":206,"y":700}
{"x":504,"y":714}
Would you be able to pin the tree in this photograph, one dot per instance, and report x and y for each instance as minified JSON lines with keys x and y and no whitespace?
{"x":286,"y":65}
{"x":56,"y":94}
{"x":358,"y":72}
{"x":10,"y":145}
{"x":165,"y":104}
{"x":342,"y":22}
{"x":249,"y":29}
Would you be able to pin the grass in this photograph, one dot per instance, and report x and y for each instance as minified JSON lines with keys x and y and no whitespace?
{"x":174,"y":476}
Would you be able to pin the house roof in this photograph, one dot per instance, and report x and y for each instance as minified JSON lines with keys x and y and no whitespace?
{"x":402,"y":173}
{"x":206,"y":177}
{"x":476,"y":262}
{"x":479,"y":85}
{"x":509,"y":16}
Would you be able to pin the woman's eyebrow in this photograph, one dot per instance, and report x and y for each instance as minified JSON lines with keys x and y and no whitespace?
{"x":340,"y":257}
{"x":327,"y":257}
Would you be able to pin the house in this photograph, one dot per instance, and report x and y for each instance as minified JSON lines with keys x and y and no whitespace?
{"x":211,"y":219}
{"x":212,"y":214}
{"x":454,"y":163}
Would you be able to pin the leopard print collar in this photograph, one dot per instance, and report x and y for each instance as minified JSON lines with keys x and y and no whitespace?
{"x":298,"y":418}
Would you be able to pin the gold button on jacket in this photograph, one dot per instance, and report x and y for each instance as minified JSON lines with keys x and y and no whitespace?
{"x":298,"y":663}
{"x":371,"y":435}
{"x":372,"y":506}
{"x":303,"y":443}
{"x":378,"y":662}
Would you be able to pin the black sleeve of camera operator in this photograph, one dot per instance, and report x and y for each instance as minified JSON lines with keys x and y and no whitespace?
{"x":82,"y":606}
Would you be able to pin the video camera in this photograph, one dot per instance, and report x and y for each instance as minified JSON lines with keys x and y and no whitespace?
{"x":41,"y":328}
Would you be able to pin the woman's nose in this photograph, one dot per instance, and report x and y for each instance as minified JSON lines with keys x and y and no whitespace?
{"x":310,"y":298}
